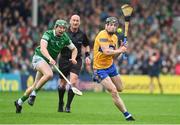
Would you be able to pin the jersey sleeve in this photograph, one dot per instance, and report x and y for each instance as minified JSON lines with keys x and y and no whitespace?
{"x":102,"y":39}
{"x":85,"y":40}
{"x":46,"y":36}
{"x":71,"y":46}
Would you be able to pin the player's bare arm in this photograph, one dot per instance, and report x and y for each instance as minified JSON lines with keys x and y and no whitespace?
{"x":118,"y":56}
{"x":108,"y":51}
{"x":44,"y":51}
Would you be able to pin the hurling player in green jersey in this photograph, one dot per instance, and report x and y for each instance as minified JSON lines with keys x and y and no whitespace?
{"x":51,"y":44}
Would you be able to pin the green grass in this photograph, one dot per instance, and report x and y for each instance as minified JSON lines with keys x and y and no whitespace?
{"x":91,"y":108}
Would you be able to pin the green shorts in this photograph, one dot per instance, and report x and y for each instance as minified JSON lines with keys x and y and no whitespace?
{"x":36,"y":60}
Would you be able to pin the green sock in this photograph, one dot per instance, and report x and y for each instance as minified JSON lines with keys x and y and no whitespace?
{"x":36,"y":90}
{"x":24,"y":98}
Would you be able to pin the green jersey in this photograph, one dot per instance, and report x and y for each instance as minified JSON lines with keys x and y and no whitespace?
{"x":55,"y":44}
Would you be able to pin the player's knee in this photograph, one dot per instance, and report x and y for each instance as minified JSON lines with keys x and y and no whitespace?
{"x":114,"y":92}
{"x":73,"y":80}
{"x":120,"y":89}
{"x":49,"y":75}
{"x":63,"y":83}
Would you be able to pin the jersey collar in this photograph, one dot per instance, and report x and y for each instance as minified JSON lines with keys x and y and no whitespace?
{"x":54,"y":33}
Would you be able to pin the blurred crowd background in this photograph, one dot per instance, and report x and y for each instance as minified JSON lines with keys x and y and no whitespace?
{"x":152,"y":30}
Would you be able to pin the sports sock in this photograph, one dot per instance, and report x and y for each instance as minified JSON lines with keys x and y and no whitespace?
{"x":33,"y":93}
{"x":127,"y":114}
{"x":61,"y":92}
{"x":70,"y":98}
{"x":36,"y":90}
{"x":20,"y":102}
{"x":22,"y":99}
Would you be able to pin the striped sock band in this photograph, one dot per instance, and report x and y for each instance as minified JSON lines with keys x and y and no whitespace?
{"x":127,"y":114}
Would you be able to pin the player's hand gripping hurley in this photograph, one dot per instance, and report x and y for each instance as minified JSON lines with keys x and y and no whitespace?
{"x":127,"y":12}
{"x":74,"y":89}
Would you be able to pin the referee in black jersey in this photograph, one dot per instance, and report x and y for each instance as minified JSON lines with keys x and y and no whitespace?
{"x":79,"y":39}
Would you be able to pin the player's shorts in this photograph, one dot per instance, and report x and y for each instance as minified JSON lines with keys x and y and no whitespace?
{"x":101,"y":74}
{"x":36,"y":60}
{"x":66,"y":66}
{"x":154,"y":71}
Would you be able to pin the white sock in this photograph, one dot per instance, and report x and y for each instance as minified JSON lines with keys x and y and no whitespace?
{"x":128,"y":116}
{"x":20,"y":102}
{"x":33,"y":93}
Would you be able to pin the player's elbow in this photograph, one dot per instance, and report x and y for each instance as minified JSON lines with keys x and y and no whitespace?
{"x":107,"y":52}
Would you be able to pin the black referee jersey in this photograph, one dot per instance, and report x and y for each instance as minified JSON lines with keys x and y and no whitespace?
{"x":79,"y":39}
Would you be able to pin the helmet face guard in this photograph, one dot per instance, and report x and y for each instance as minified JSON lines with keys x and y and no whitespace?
{"x":61,"y":23}
{"x":112,"y":20}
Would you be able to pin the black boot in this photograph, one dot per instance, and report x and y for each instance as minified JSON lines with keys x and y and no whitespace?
{"x":18,"y":107}
{"x":31,"y":100}
{"x":130,"y":119}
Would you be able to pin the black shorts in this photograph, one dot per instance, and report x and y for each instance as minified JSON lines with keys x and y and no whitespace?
{"x":66,"y":66}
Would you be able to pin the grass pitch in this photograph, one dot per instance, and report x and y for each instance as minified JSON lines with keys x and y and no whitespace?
{"x":91,"y":108}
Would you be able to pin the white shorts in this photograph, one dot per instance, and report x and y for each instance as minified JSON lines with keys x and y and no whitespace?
{"x":36,"y":60}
